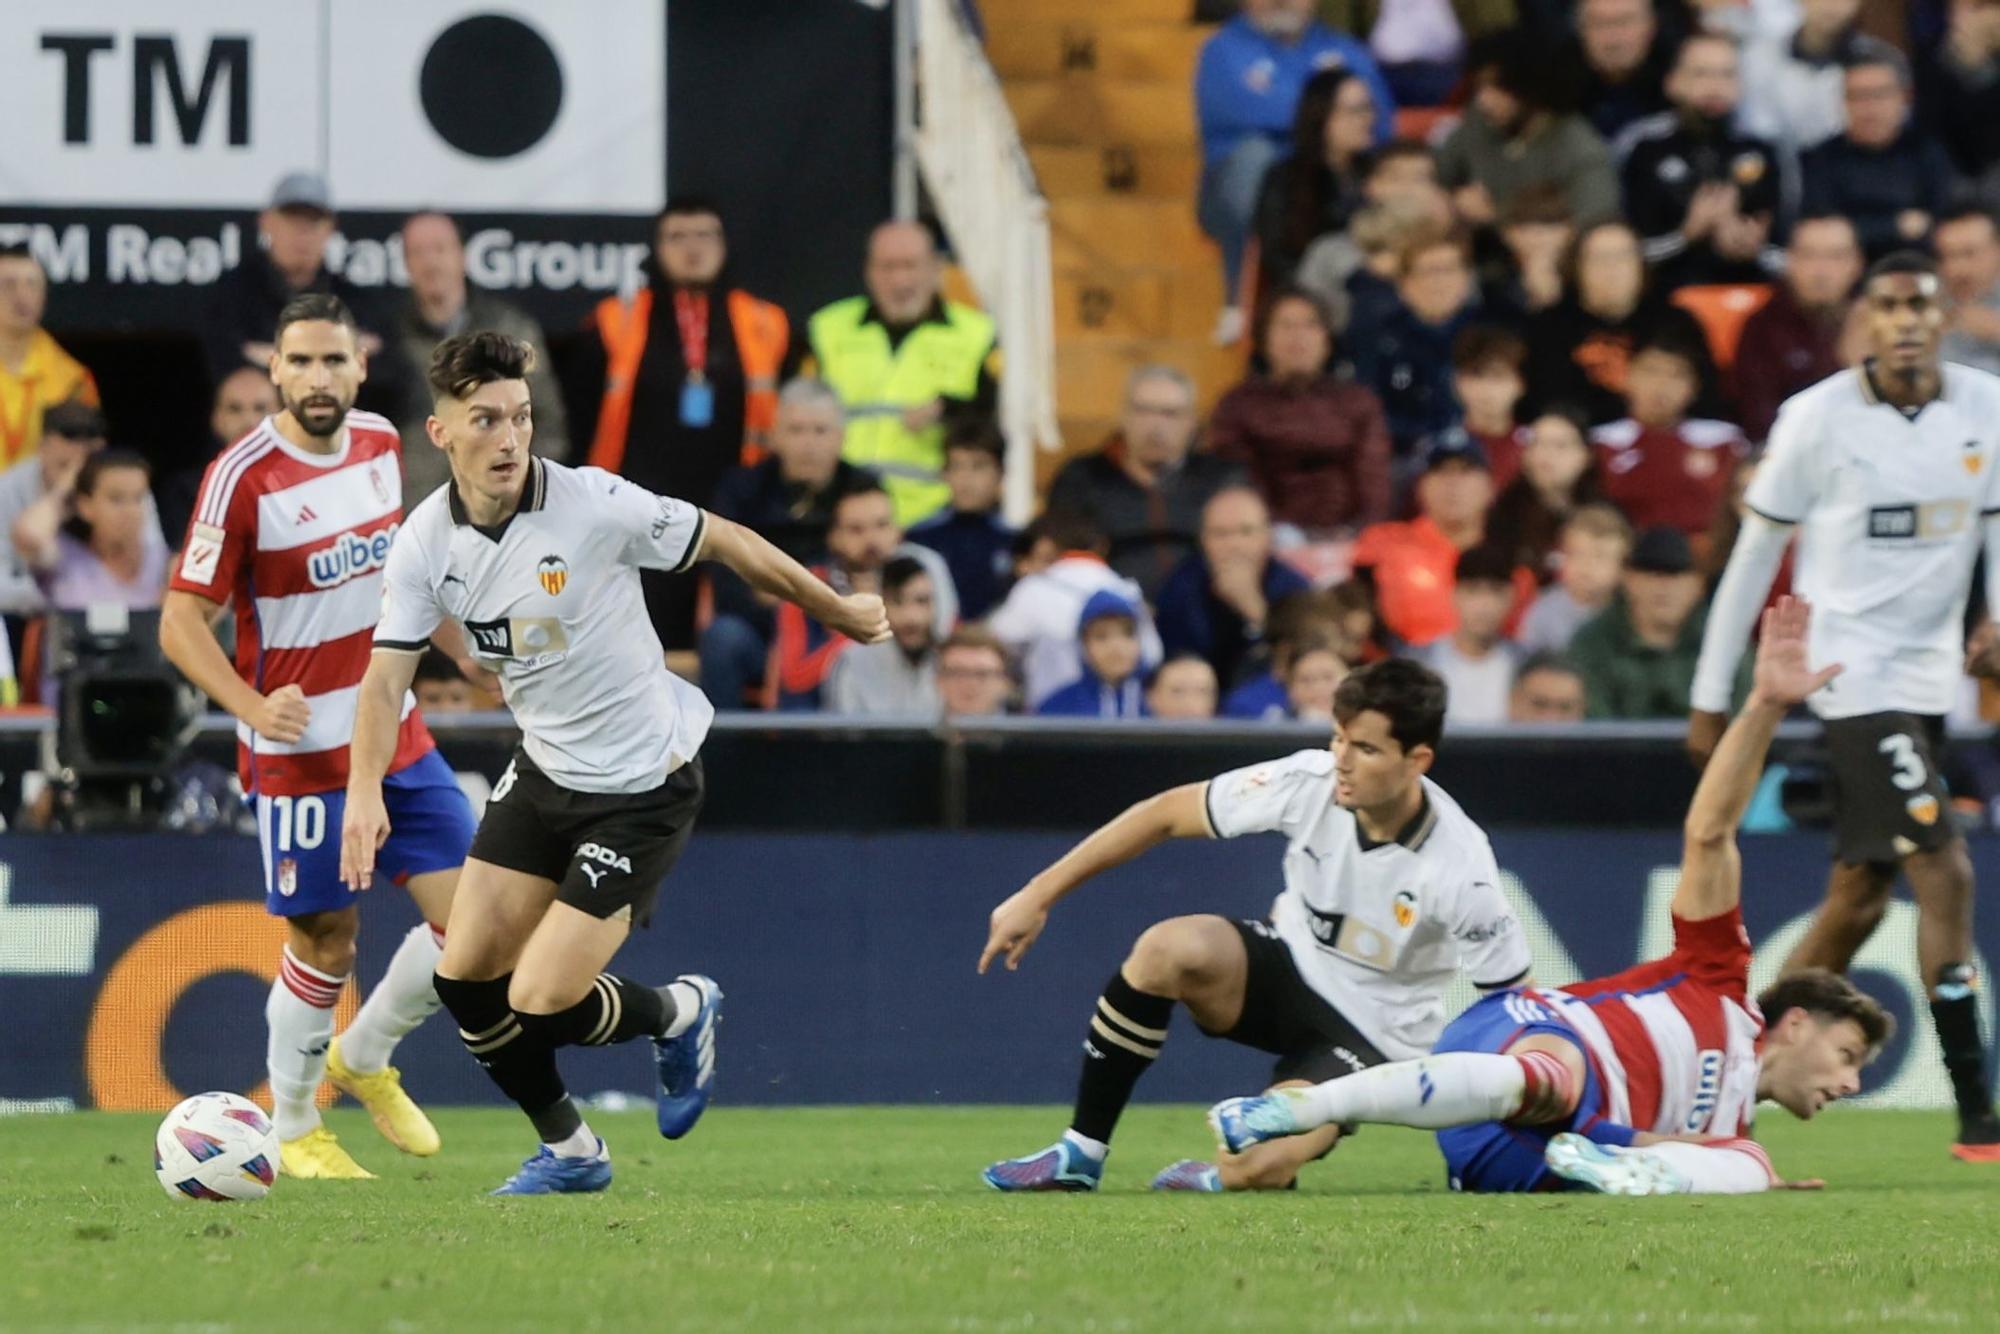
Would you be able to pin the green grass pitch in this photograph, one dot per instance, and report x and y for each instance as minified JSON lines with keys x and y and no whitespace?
{"x":875,"y":1219}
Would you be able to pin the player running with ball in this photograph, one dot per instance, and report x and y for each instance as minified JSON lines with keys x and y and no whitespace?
{"x":541,"y":563}
{"x":1643,"y":1083}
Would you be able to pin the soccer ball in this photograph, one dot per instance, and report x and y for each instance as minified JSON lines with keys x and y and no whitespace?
{"x":216,"y":1146}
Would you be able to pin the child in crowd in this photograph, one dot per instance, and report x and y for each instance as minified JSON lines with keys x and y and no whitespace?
{"x":1558,"y":474}
{"x":1662,"y":467}
{"x":440,"y":687}
{"x":1059,"y":564}
{"x":1312,"y":673}
{"x":1486,"y":378}
{"x":974,"y":541}
{"x":1595,"y":543}
{"x":1477,"y":664}
{"x":1108,"y":641}
{"x":1183,"y":687}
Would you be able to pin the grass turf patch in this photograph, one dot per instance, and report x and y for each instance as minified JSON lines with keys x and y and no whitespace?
{"x":875,"y":1219}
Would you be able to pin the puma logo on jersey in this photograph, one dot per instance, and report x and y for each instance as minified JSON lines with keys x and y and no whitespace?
{"x":350,"y":557}
{"x":603,"y":856}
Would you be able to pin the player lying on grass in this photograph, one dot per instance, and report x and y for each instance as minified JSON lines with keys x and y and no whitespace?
{"x":1643,"y":1083}
{"x":1389,"y":888}
{"x":541,"y":563}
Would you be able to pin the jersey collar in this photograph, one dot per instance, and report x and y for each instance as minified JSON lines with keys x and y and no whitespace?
{"x":532,"y":497}
{"x":1414,"y":833}
{"x":1873,"y":397}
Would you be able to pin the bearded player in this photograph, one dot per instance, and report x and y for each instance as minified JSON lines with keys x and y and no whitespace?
{"x":1643,"y":1083}
{"x":290,"y":532}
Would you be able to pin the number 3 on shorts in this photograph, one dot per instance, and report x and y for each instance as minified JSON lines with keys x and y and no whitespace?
{"x":1909,"y":774}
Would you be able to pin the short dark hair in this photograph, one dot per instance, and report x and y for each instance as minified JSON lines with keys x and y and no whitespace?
{"x":689,"y":205}
{"x":1068,"y":530}
{"x":868,"y":487}
{"x":1967,"y":210}
{"x":898,"y":572}
{"x":1547,"y":660}
{"x":93,"y":470}
{"x":463,"y":362}
{"x":437,"y":665}
{"x":1410,"y":695}
{"x":19,"y":250}
{"x":308,"y":307}
{"x":1899,"y":262}
{"x":1479,"y":346}
{"x":1829,"y":998}
{"x":979,"y":434}
{"x":1675,"y":343}
{"x":1485,"y":564}
{"x":1394,"y":149}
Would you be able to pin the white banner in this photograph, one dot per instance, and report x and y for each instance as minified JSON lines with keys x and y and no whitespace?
{"x":402,"y":104}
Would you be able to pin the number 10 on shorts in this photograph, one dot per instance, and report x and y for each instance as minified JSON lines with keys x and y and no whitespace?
{"x":297,"y":823}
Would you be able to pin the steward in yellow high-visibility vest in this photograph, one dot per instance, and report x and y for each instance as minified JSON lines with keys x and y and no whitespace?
{"x":902,"y":358}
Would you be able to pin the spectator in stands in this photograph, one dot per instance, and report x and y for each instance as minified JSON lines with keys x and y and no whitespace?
{"x":71,"y":433}
{"x":1638,"y":656}
{"x":1317,"y":446}
{"x":1406,"y":359}
{"x":1594,"y":544}
{"x":1038,"y":619}
{"x":1246,"y":87}
{"x":1960,"y":93}
{"x":244,"y":398}
{"x":976,"y":543}
{"x":1182,"y":689}
{"x":440,"y":686}
{"x":1662,"y":467}
{"x":1792,"y":78}
{"x":1486,"y":382}
{"x":1547,"y":689}
{"x":903,"y":359}
{"x":1514,"y":138}
{"x":442,"y":303}
{"x":1340,"y":620}
{"x":100,"y":545}
{"x":788,"y":499}
{"x":1579,"y":348}
{"x":1312,"y":674}
{"x":1420,"y":47}
{"x":1538,"y":231}
{"x":1475,"y":659}
{"x":861,"y":542}
{"x":1968,"y":251}
{"x":972,"y":673}
{"x":1794,"y":339}
{"x":690,"y":371}
{"x":1888,"y":177}
{"x":1144,"y":489}
{"x":1558,"y":475}
{"x":1217,"y":603}
{"x":1409,"y":565}
{"x":1110,"y":685}
{"x":1315,"y":189}
{"x":1356,"y":267}
{"x":1703,"y":196}
{"x":244,"y":304}
{"x":1622,"y":56}
{"x":896,"y":678}
{"x":35,"y":372}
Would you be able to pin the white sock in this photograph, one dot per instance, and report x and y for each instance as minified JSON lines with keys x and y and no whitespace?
{"x":403,"y":999}
{"x":582,"y":1144}
{"x":1734,"y":1167}
{"x":299,"y":1014}
{"x":687,"y":999}
{"x":1093,"y":1149}
{"x":1433,"y":1092}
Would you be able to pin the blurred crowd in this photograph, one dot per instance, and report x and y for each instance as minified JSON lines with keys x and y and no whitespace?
{"x":1519,"y":289}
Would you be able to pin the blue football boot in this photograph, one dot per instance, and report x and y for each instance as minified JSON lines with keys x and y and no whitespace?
{"x":687,"y":1062}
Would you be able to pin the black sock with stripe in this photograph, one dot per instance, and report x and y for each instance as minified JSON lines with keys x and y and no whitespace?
{"x":1124,"y":1038}
{"x":615,"y":1009}
{"x":518,"y":1059}
{"x":1955,"y":1014}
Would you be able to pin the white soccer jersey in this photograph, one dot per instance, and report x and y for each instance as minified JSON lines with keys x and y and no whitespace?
{"x":552,"y":602}
{"x":1889,"y":512}
{"x":1377,"y":929}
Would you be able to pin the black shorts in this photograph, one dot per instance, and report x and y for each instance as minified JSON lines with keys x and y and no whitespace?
{"x":606,"y":851}
{"x":1889,"y":798}
{"x":1286,"y":1017}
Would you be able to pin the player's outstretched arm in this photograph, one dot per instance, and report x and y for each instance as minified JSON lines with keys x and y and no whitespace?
{"x":1176,"y":813}
{"x":1711,"y":868}
{"x":378,"y":713}
{"x":859,"y":616}
{"x":187,"y":637}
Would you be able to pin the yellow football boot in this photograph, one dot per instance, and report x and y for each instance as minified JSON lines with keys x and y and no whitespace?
{"x":318,"y":1154}
{"x":401,"y":1121}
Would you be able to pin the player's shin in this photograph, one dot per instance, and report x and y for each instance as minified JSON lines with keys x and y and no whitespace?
{"x":403,"y":999}
{"x":299,"y":1014}
{"x":1432,"y":1092}
{"x":1955,"y":1014}
{"x":1125,"y":1036}
{"x":616,"y":1009}
{"x":521,"y":1062}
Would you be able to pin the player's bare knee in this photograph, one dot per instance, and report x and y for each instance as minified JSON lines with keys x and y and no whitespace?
{"x":1168,"y":955}
{"x":324,"y":940}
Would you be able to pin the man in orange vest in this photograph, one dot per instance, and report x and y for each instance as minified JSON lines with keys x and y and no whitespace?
{"x":692,"y":368}
{"x":35,"y":373}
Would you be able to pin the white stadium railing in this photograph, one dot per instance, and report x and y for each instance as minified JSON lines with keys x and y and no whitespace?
{"x":957,"y":127}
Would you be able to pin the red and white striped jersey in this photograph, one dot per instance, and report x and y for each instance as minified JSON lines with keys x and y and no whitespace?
{"x":294,"y":543}
{"x":1674,"y":1041}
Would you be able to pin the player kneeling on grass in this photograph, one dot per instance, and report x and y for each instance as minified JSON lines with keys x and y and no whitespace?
{"x":541,"y":563}
{"x":1643,"y":1083}
{"x":1389,"y":888}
